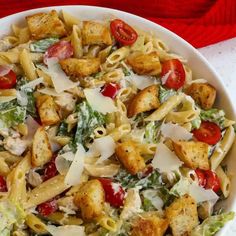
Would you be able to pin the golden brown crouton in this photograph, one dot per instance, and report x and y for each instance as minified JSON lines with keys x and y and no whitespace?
{"x":128,"y":154}
{"x":204,"y":94}
{"x":44,"y":25}
{"x":95,"y":33}
{"x":150,"y":226}
{"x":80,"y":67}
{"x":90,"y":199}
{"x":182,"y":215}
{"x":41,"y":150}
{"x":145,"y":64}
{"x":193,"y":154}
{"x":47,"y":110}
{"x":145,"y":100}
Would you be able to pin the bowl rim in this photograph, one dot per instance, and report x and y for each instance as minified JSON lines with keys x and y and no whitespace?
{"x":188,"y":46}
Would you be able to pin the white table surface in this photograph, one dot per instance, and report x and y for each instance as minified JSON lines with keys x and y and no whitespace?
{"x":222,"y":57}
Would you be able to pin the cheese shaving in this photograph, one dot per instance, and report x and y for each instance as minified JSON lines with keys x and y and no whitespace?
{"x":72,"y":230}
{"x":175,"y":132}
{"x":165,"y":160}
{"x":99,"y":102}
{"x":76,"y":169}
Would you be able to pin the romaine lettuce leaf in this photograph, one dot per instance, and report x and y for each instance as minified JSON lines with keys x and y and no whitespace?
{"x":164,"y":94}
{"x":42,"y":45}
{"x":10,"y":213}
{"x":12,"y":116}
{"x":88,"y":120}
{"x":196,"y":123}
{"x":151,"y":132}
{"x":213,"y":115}
{"x":212,"y":224}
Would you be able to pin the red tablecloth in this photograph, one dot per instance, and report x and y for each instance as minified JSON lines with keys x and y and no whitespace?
{"x":200,"y":22}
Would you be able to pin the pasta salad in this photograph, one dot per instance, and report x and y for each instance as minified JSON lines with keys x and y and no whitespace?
{"x":105,"y":132}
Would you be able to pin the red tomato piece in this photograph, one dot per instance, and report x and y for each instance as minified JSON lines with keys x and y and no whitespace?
{"x":212,"y":181}
{"x":176,"y":77}
{"x":50,"y":170}
{"x":114,"y":193}
{"x":208,"y":132}
{"x":110,"y":90}
{"x":201,"y":177}
{"x":7,"y":78}
{"x":122,"y":32}
{"x":61,"y":50}
{"x":3,"y":184}
{"x":47,"y":208}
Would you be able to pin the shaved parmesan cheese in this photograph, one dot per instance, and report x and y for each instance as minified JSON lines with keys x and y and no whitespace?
{"x":32,"y":84}
{"x":75,"y":171}
{"x":72,"y":230}
{"x":99,"y":102}
{"x":201,"y":195}
{"x":50,"y":92}
{"x":60,"y":80}
{"x":152,"y":195}
{"x":165,"y":160}
{"x":4,"y":70}
{"x":132,"y":204}
{"x":63,"y":162}
{"x":140,"y":81}
{"x":175,"y":132}
{"x":6,"y":98}
{"x":103,"y":147}
{"x":165,"y":77}
{"x":22,"y":98}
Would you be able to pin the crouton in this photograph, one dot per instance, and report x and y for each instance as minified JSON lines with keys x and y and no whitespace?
{"x":47,"y":110}
{"x":128,"y":154}
{"x":204,"y":94}
{"x":44,"y":25}
{"x":193,"y":154}
{"x":145,"y":64}
{"x":150,"y":226}
{"x":145,"y":100}
{"x":41,"y":149}
{"x":80,"y":67}
{"x":90,"y":199}
{"x":182,"y":215}
{"x":95,"y":33}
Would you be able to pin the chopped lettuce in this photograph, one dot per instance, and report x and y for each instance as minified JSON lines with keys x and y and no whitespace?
{"x":196,"y":123}
{"x":181,"y":187}
{"x":12,"y":116}
{"x":151,"y":132}
{"x":42,"y":45}
{"x":28,"y":93}
{"x":88,"y":120}
{"x":8,"y":105}
{"x":214,"y":115}
{"x":147,"y":205}
{"x":10,"y":213}
{"x":164,"y":94}
{"x":212,"y":224}
{"x":63,"y":129}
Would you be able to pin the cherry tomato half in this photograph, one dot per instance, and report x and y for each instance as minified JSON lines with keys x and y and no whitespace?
{"x":122,"y":32}
{"x":212,"y":181}
{"x":114,"y":193}
{"x":7,"y":78}
{"x":201,"y":177}
{"x":208,"y":132}
{"x":110,"y":90}
{"x":47,"y":208}
{"x":3,"y":184}
{"x":176,"y":77}
{"x":60,"y":50}
{"x":50,"y":170}
{"x":208,"y":179}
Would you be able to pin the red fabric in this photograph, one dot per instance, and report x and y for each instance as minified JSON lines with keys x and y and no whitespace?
{"x":200,"y":22}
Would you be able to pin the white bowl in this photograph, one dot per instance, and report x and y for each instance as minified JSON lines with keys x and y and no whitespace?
{"x":199,"y":65}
